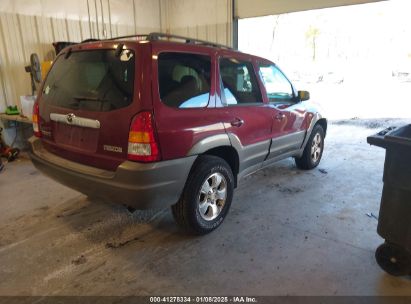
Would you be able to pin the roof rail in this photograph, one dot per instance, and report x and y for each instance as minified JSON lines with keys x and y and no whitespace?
{"x":138,"y":36}
{"x":161,"y":36}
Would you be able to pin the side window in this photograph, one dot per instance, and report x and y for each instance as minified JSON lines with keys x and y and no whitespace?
{"x":276,"y":84}
{"x":184,"y":79}
{"x":238,"y":82}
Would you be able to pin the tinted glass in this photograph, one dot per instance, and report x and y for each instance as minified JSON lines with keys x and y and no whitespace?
{"x":184,"y":79}
{"x":239,"y":82}
{"x":91,"y":80}
{"x":276,"y":84}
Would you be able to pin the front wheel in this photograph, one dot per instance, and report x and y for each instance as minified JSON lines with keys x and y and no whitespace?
{"x":313,"y":151}
{"x":206,"y":197}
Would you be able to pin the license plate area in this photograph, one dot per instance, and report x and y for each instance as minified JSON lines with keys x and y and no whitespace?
{"x":85,"y":139}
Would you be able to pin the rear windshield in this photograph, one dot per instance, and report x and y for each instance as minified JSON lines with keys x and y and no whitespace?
{"x":91,"y":80}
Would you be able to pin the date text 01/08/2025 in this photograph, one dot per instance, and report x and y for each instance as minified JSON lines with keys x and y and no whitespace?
{"x":203,"y":299}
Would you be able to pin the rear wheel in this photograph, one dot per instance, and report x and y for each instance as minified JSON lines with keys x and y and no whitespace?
{"x":206,"y":197}
{"x":313,"y":150}
{"x":393,"y":259}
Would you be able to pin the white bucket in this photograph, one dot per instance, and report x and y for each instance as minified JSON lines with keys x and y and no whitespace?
{"x":27,"y":103}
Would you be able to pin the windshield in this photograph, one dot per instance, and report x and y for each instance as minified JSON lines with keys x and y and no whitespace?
{"x":91,"y":80}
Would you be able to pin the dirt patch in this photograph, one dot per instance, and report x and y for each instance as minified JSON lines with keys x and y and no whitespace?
{"x":114,"y":245}
{"x":71,"y":212}
{"x":80,"y":260}
{"x":288,"y":189}
{"x":323,"y":171}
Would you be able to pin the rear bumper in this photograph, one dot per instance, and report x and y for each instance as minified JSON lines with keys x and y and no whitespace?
{"x":142,"y":186}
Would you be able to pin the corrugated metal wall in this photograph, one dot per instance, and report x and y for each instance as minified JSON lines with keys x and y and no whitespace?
{"x":203,"y":19}
{"x":28,"y":27}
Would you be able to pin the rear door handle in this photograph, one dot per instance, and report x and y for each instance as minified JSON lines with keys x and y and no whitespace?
{"x":280,"y":116}
{"x":237,"y":122}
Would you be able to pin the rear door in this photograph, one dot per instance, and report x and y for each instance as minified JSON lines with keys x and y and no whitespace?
{"x":183,"y":96}
{"x":87,"y":103}
{"x":289,"y":128}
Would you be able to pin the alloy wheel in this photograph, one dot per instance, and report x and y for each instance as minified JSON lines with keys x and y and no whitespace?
{"x":316,"y":148}
{"x":212,"y":196}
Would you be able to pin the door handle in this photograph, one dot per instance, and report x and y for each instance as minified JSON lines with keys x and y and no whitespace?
{"x":280,"y":116}
{"x":237,"y":122}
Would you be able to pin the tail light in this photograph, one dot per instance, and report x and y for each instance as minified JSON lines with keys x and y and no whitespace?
{"x":142,"y":144}
{"x":36,"y":119}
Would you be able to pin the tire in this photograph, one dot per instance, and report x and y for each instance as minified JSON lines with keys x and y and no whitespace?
{"x":393,"y":259}
{"x":206,"y":197}
{"x":310,"y":159}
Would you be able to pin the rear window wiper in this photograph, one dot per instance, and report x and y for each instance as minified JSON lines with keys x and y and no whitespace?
{"x":79,"y":99}
{"x":88,"y":98}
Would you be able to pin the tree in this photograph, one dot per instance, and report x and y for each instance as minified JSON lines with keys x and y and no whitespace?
{"x":275,"y":28}
{"x":311,"y":35}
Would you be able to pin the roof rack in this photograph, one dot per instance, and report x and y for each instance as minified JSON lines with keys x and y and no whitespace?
{"x":161,"y":36}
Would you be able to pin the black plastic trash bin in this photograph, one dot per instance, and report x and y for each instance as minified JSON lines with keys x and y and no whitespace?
{"x":394,"y":222}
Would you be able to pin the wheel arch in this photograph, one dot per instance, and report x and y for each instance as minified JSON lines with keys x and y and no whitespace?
{"x":323,"y":123}
{"x":316,"y":120}
{"x":220,"y":146}
{"x":230,"y":155}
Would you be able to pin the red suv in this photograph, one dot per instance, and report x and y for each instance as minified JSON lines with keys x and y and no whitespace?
{"x":160,"y":120}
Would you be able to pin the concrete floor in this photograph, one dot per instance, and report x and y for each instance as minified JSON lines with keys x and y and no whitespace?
{"x":289,"y":232}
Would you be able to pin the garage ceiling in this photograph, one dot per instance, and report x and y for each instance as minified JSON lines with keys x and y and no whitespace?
{"x":256,"y":8}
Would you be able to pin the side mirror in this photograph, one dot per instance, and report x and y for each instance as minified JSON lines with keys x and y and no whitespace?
{"x":303,"y":95}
